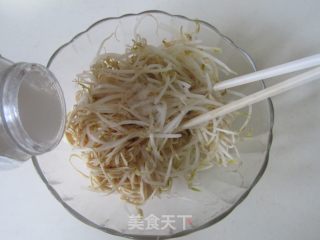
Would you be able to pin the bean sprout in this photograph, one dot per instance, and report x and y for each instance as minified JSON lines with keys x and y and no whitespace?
{"x":127,"y":118}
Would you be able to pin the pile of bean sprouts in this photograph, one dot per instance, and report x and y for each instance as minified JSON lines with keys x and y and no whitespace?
{"x":128,"y":113}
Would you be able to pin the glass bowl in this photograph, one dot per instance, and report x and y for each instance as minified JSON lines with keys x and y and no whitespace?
{"x":181,"y":210}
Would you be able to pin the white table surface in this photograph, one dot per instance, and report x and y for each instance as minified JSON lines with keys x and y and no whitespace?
{"x":285,"y":204}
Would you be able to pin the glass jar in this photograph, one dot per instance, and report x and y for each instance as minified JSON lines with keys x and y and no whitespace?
{"x":32,"y":112}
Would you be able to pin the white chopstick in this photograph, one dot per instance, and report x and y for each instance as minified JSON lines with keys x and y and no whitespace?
{"x":286,"y":85}
{"x":289,"y":67}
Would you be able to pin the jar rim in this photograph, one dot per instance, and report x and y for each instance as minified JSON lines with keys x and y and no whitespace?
{"x":11,"y":121}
